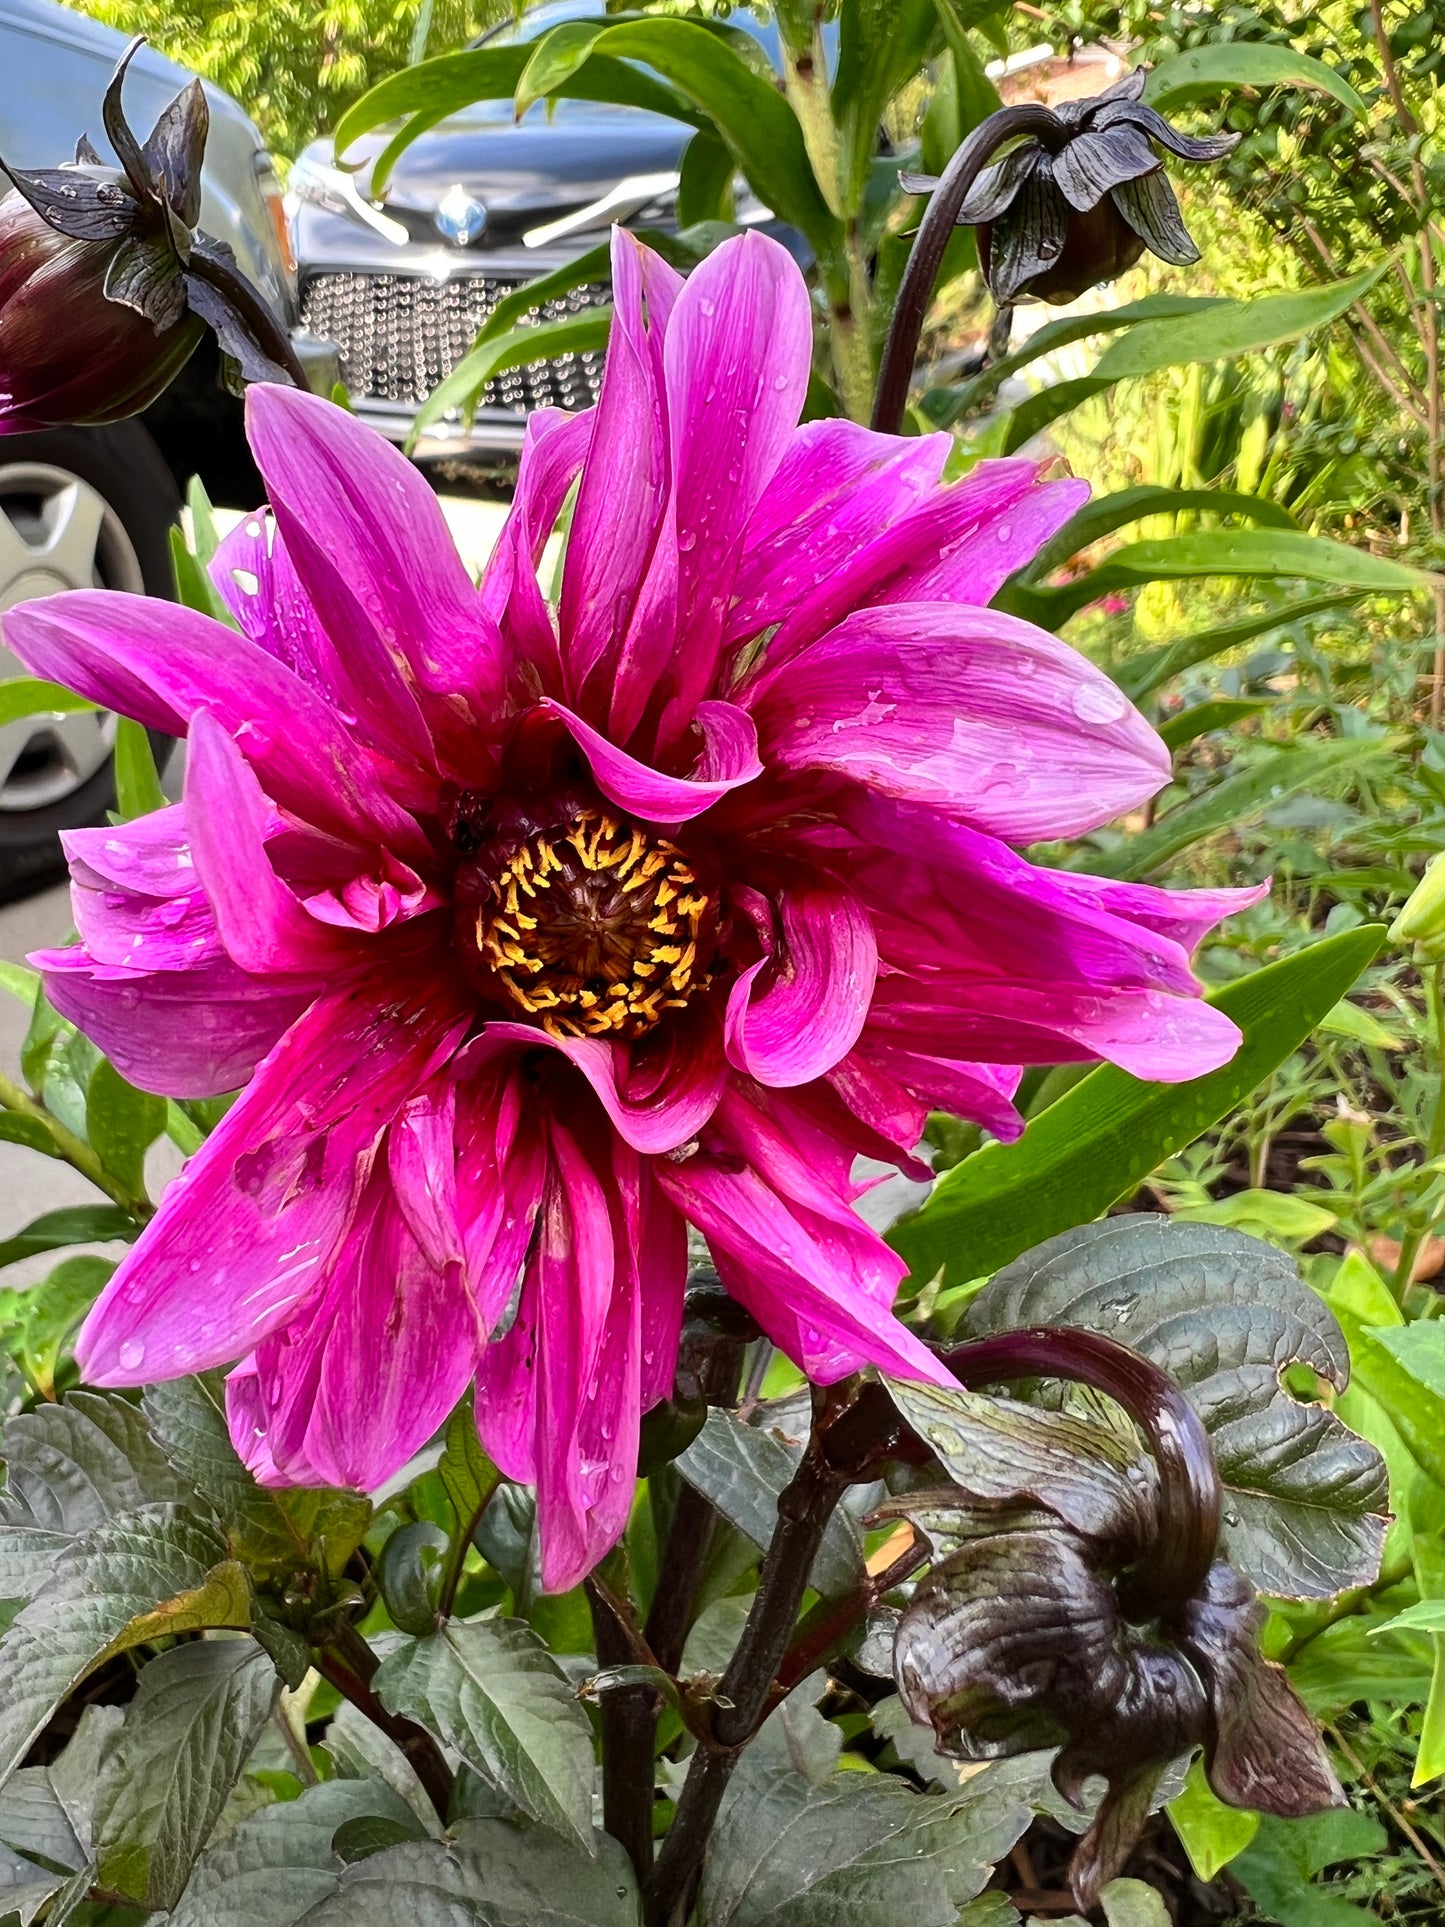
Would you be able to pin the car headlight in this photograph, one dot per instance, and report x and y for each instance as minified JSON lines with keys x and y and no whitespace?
{"x":320,"y":185}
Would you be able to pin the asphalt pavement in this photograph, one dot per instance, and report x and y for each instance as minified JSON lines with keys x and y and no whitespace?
{"x":30,"y":1183}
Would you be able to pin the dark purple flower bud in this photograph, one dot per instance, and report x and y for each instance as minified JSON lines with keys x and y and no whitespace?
{"x":105,"y":282}
{"x":1079,"y":204}
{"x":1052,"y":1619}
{"x":69,"y":350}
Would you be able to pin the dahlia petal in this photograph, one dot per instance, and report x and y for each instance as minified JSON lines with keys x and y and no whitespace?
{"x":957,"y":528}
{"x":1184,"y":917}
{"x":394,"y":894}
{"x":977,"y":569}
{"x":658,"y":1092}
{"x":729,"y":758}
{"x":135,"y":895}
{"x":262,"y":926}
{"x":500,"y":1170}
{"x":363,"y":1378}
{"x":151,"y":856}
{"x":817,"y":985}
{"x":985,"y":718}
{"x":736,"y":356}
{"x":255,"y":578}
{"x":654,"y":1245}
{"x":160,"y":663}
{"x":422,"y":1158}
{"x":246,"y":1422}
{"x":835,"y":488}
{"x":554,"y":448}
{"x":625,"y":481}
{"x":248,"y":1230}
{"x":982,"y":1093}
{"x":769,"y":1259}
{"x":375,"y":521}
{"x":197,"y":1032}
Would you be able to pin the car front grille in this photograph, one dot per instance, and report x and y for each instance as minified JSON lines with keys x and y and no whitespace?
{"x":400,"y":335}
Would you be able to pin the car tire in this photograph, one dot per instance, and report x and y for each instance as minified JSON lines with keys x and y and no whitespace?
{"x":79,"y":508}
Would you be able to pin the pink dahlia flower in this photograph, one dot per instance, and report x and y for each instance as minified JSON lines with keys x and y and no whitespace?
{"x":537,"y":932}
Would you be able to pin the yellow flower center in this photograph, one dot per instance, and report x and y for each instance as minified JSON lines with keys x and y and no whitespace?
{"x":596,"y":927}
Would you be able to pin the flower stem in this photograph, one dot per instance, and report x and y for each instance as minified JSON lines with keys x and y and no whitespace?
{"x":1190,"y":1497}
{"x":74,"y":1150}
{"x":896,"y":371}
{"x":349,"y":1664}
{"x":805,"y":1506}
{"x":629,"y":1723}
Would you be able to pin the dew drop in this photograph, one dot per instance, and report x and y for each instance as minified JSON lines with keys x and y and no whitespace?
{"x":686,"y":539}
{"x":1099,"y":702}
{"x":132,"y":1354}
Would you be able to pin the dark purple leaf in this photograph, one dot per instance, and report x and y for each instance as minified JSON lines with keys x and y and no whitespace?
{"x":175,"y":148}
{"x":1096,"y":161}
{"x":117,"y":128}
{"x":1149,"y":206}
{"x":79,"y":204}
{"x":997,"y":187}
{"x":144,"y":274}
{"x":1134,"y":113}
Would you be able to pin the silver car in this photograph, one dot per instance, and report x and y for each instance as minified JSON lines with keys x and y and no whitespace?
{"x":92,"y":507}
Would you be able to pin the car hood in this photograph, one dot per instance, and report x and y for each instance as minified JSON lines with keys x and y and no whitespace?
{"x":520,"y":171}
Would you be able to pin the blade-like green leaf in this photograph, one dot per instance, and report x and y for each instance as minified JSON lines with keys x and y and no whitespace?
{"x":490,"y":1690}
{"x":1106,"y":513}
{"x":705,"y":187}
{"x":556,"y":56}
{"x":122,"y":1124}
{"x":1232,"y":328}
{"x":575,"y":334}
{"x":194,"y":586}
{"x":70,"y":1467}
{"x":741,"y":1469}
{"x":197,"y":1714}
{"x":468,"y":1476}
{"x":1150,"y":670}
{"x":76,"y":1224}
{"x":1243,"y":795}
{"x":1204,"y":718}
{"x":1306,"y":1502}
{"x":144,"y":1576}
{"x":1205,"y":71}
{"x":491,"y":1874}
{"x":271,"y":1870}
{"x":137,"y":784}
{"x":23,"y":696}
{"x":1222,"y":552}
{"x":1103,"y":1138}
{"x":882,"y":44}
{"x":274,"y":1530}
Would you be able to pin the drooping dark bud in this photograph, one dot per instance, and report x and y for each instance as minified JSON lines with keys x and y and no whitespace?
{"x":106,"y":284}
{"x":1078,"y":204}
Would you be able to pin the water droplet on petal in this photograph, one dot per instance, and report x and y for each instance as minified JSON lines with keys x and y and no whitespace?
{"x":686,"y":539}
{"x":1099,"y":702}
{"x":132,"y":1354}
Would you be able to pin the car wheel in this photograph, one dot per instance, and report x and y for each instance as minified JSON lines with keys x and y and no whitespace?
{"x":80,"y":508}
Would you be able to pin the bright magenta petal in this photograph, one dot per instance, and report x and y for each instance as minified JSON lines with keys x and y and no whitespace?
{"x":793,"y":1015}
{"x":729,"y":758}
{"x":985,"y":718}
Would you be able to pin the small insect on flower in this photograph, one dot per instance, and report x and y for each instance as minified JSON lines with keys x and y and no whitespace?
{"x":537,"y":933}
{"x":1068,"y":208}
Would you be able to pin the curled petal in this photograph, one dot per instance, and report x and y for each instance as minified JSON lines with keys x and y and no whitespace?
{"x":792,"y":1015}
{"x":554,"y":447}
{"x":729,"y":758}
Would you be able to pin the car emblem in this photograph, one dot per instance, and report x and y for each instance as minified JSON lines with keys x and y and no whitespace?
{"x":459,"y":217}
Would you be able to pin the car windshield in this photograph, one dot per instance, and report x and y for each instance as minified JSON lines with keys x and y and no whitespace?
{"x":538,"y":20}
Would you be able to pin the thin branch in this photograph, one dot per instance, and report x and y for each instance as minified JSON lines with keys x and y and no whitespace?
{"x":74,"y":1150}
{"x":350,"y":1665}
{"x":1400,"y":1818}
{"x":629,"y":1724}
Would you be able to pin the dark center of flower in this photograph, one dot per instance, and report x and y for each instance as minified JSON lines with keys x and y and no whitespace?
{"x":595,"y":927}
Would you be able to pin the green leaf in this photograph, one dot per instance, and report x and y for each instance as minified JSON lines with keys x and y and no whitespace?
{"x":194,"y":587}
{"x":1144,"y":673}
{"x":137,"y":786}
{"x":140,"y":1577}
{"x":1242,"y":796}
{"x":1232,"y":328}
{"x":1425,"y":1616}
{"x":32,"y":1132}
{"x":491,"y":1691}
{"x":1278,"y":1867}
{"x":33,"y":1820}
{"x":1134,"y":1903}
{"x":1204,"y":71}
{"x":122,"y":1124}
{"x":76,"y":1224}
{"x":22,"y":696}
{"x":881,"y":46}
{"x":1346,"y":1662}
{"x":1211,"y":1833}
{"x":705,"y":190}
{"x":1420,"y":1348}
{"x":20,"y":982}
{"x":491,"y":1873}
{"x":1106,"y":513}
{"x":437,"y":88}
{"x":1223,"y":1314}
{"x":741,"y":1469}
{"x":71,"y":1467}
{"x":1285,"y":1217}
{"x":274,"y":1530}
{"x":859,"y":1848}
{"x":273,"y":1869}
{"x":205,"y":536}
{"x":557,"y":55}
{"x":468,"y":1476}
{"x":539,"y":341}
{"x":196,"y":1717}
{"x":1360,"y":1026}
{"x":745,"y":110}
{"x":51,"y":1313}
{"x":1100,"y":1140}
{"x":1204,"y":718}
{"x":1215,"y":552}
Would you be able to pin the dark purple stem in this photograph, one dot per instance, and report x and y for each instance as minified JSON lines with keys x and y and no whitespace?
{"x":1190,"y":1498}
{"x":896,"y":370}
